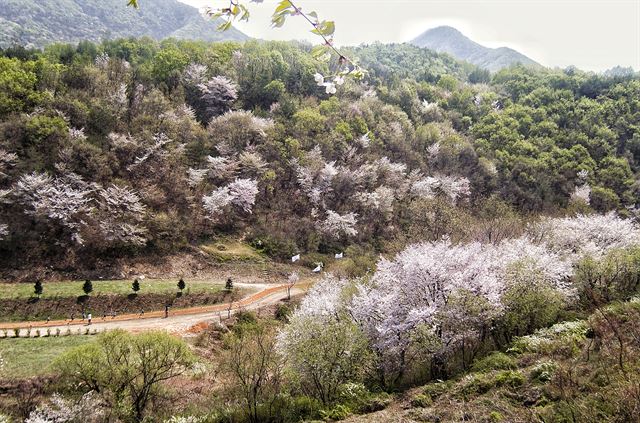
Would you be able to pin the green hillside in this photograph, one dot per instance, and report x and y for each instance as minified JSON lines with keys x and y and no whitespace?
{"x":38,"y":23}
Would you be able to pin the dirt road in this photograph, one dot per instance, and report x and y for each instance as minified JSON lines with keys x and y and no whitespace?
{"x":178,"y":321}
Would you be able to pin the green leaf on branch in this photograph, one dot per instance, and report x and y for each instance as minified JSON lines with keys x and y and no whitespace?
{"x":224,"y":26}
{"x":325,"y":28}
{"x":320,"y":52}
{"x":284,"y":5}
{"x":133,"y":3}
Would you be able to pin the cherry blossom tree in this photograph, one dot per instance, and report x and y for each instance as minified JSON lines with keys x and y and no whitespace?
{"x":120,"y":214}
{"x":582,"y":235}
{"x":243,"y":193}
{"x":336,"y":225}
{"x":440,"y":294}
{"x":215,"y":202}
{"x":61,"y":200}
{"x":451,"y":186}
{"x":240,"y":193}
{"x":218,"y":94}
{"x":7,"y":160}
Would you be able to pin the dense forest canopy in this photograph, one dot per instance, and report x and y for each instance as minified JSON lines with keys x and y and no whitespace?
{"x":135,"y":146}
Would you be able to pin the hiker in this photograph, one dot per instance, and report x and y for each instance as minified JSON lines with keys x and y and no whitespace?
{"x":166,"y":311}
{"x":89,"y":318}
{"x":84,"y":316}
{"x":48,"y":319}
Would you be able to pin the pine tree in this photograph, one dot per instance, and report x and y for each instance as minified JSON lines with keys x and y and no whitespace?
{"x":135,"y":285}
{"x":229,"y":285}
{"x":37,"y":288}
{"x":87,"y":287}
{"x":181,"y":284}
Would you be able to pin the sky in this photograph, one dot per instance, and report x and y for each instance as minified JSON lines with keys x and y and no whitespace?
{"x":590,"y":34}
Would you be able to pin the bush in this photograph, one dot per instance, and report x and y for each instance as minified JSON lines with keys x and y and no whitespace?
{"x":283,"y":312}
{"x":495,"y":416}
{"x":421,"y":401}
{"x":338,"y":412}
{"x":565,"y":337}
{"x":495,"y":361}
{"x":509,"y":378}
{"x":543,"y":372}
{"x":476,"y":384}
{"x":244,"y":317}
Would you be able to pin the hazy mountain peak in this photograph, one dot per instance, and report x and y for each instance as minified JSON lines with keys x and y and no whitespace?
{"x":446,"y":39}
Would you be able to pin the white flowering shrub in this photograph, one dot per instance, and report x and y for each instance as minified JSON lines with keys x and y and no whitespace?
{"x":57,"y":409}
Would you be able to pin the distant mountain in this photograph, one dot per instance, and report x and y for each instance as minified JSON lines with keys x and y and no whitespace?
{"x":40,"y":22}
{"x":446,"y":39}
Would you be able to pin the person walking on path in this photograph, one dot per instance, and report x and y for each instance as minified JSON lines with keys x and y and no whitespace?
{"x":89,"y":318}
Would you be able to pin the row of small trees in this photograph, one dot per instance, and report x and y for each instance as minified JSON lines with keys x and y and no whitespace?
{"x":87,"y":286}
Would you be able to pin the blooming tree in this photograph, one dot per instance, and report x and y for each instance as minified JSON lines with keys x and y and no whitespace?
{"x":336,"y":225}
{"x":430,"y":286}
{"x":217,"y":95}
{"x":240,"y":193}
{"x":582,"y":235}
{"x":120,"y":214}
{"x":61,"y":200}
{"x":243,"y":193}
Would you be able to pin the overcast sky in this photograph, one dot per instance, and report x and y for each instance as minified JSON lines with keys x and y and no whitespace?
{"x":590,"y":34}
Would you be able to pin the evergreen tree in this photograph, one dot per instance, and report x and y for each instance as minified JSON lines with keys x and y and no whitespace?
{"x":37,"y":288}
{"x":181,"y":284}
{"x":135,"y":285}
{"x":87,"y":287}
{"x":229,"y":285}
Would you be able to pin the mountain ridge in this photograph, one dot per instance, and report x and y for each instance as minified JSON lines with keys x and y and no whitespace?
{"x":36,"y":23}
{"x":446,"y":39}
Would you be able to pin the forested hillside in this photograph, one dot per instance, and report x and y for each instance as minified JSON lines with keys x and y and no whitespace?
{"x":38,"y":23}
{"x":134,"y":147}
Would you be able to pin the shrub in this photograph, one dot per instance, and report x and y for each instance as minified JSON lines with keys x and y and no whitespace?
{"x":543,"y":371}
{"x":434,"y":390}
{"x":338,"y":412}
{"x":562,"y":337}
{"x":421,"y":401}
{"x":509,"y":378}
{"x":478,"y":383}
{"x":245,"y":317}
{"x":495,"y":361}
{"x":495,"y":416}
{"x":283,"y":312}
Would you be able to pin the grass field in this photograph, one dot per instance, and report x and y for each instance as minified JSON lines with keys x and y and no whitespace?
{"x":74,"y":288}
{"x":232,"y":251}
{"x":25,"y":357}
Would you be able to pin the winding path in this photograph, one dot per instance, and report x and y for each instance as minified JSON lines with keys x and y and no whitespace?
{"x":179,"y":320}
